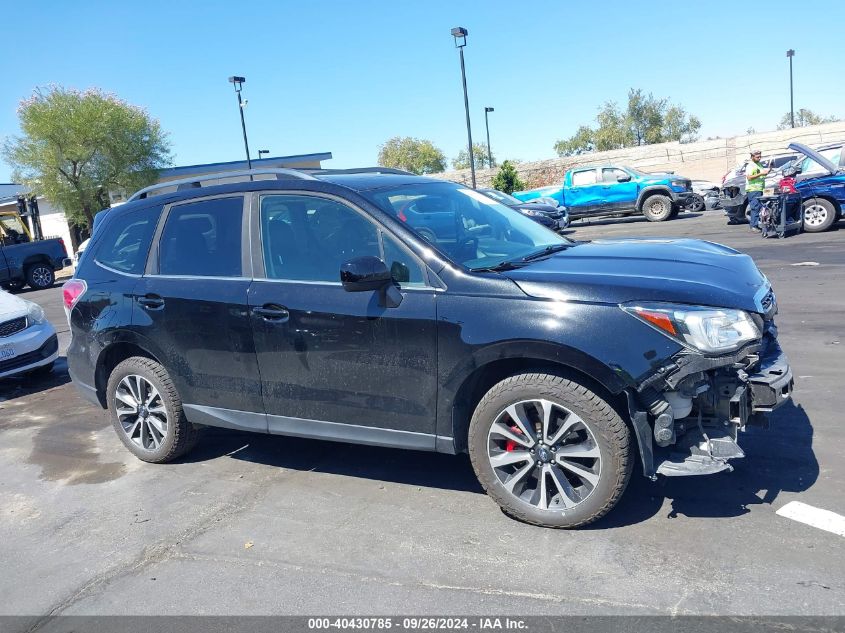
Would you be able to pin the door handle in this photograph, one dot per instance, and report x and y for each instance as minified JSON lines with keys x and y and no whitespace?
{"x":270,"y":312}
{"x":151,"y":302}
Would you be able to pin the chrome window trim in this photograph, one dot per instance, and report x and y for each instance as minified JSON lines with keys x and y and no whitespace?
{"x":115,"y":270}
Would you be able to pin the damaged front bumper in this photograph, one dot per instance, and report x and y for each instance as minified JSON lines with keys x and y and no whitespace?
{"x":688,"y":415}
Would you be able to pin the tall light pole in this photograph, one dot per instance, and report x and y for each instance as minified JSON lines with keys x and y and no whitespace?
{"x":238,"y":83}
{"x":487,"y":125}
{"x":790,"y":54}
{"x":460,"y":35}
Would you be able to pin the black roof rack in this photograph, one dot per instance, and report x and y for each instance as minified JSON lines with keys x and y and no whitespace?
{"x":196,"y":181}
{"x":359,"y":170}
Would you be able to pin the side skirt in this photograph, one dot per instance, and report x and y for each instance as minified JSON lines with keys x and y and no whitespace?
{"x":313,"y":429}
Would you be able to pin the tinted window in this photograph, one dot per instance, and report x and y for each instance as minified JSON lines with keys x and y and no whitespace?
{"x":611,"y":174}
{"x":403,"y":267}
{"x":203,"y":238}
{"x":468,"y":227}
{"x":125,"y":240}
{"x":307,"y":238}
{"x":587,"y":177}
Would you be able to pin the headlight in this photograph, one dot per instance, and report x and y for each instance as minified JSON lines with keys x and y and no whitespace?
{"x":34,"y":314}
{"x":680,"y":184}
{"x":529,"y":212}
{"x":708,"y":330}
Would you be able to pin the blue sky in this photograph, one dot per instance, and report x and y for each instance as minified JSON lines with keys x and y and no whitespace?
{"x":345,"y":76}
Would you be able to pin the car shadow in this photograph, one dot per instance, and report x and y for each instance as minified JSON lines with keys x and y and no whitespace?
{"x":28,"y":384}
{"x":414,"y":468}
{"x":778,"y":459}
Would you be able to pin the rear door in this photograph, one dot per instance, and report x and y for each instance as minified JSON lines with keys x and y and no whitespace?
{"x":585,"y":194}
{"x":192,"y":303}
{"x":333,"y":363}
{"x":618,"y":196}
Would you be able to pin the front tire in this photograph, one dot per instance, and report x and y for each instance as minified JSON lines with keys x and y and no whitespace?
{"x":657,"y":208}
{"x":549,"y":451}
{"x":40,"y":276}
{"x":146,"y":411}
{"x":819,"y":215}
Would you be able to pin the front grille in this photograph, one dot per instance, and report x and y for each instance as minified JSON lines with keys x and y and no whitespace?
{"x":48,"y":349}
{"x":7,"y":328}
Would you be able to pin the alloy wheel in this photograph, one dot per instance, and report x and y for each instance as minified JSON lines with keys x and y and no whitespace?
{"x":42,"y":276}
{"x":141,"y":412}
{"x":815,"y":215}
{"x":544,"y":454}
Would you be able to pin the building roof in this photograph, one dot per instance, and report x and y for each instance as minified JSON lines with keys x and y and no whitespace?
{"x":236,"y":165}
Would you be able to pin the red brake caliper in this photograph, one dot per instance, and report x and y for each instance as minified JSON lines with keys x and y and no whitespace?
{"x":511,"y":445}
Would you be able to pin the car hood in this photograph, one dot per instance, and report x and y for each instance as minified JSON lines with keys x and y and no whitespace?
{"x":825,"y":164}
{"x":536,"y":206}
{"x":11,"y":307}
{"x":647,"y":269}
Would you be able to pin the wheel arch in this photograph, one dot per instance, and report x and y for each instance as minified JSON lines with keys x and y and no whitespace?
{"x":38,"y":258}
{"x":582,"y":369}
{"x":837,"y":206}
{"x":114,"y":354}
{"x":647,"y":192}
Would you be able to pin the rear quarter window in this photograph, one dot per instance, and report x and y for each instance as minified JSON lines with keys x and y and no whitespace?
{"x":123,"y":241}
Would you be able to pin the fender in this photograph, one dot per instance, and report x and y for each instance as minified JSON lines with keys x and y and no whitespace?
{"x":662,"y":189}
{"x":523,"y":353}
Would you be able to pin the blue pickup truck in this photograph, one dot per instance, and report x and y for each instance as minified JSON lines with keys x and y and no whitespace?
{"x":26,"y":261}
{"x":613,"y":190}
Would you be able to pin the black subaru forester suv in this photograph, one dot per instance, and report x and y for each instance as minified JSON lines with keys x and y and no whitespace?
{"x":308,"y":304}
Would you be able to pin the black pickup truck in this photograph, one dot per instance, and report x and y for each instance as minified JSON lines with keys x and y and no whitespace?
{"x":24,"y":261}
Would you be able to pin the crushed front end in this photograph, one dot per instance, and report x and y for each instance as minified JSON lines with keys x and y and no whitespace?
{"x":689,"y":412}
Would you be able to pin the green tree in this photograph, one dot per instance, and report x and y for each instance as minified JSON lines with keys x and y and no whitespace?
{"x":479,"y":153}
{"x":579,"y":143}
{"x":77,"y":146}
{"x":645,"y":120}
{"x":507,"y":179}
{"x":419,"y":156}
{"x":804,"y":117}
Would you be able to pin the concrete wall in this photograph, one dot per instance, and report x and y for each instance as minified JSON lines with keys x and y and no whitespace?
{"x":704,"y":160}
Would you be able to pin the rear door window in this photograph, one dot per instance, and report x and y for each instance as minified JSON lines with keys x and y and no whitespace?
{"x":203,"y":239}
{"x":125,"y":240}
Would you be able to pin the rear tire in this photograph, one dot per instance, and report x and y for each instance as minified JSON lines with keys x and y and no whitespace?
{"x":581,"y":460}
{"x":146,"y":411}
{"x":40,"y":276}
{"x":819,"y":215}
{"x":657,"y":208}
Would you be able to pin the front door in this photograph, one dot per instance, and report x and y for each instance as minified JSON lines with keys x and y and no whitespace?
{"x":192,"y":304}
{"x":618,"y":196}
{"x":585,"y":195}
{"x":338,"y":364}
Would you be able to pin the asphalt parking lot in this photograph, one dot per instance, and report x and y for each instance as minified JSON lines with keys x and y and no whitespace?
{"x":249,"y":524}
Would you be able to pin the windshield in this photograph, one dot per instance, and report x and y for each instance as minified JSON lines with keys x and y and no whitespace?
{"x":12,"y":229}
{"x":502,"y":197}
{"x":465,"y":225}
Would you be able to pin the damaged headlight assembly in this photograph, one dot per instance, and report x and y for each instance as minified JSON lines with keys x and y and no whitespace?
{"x":701,"y":328}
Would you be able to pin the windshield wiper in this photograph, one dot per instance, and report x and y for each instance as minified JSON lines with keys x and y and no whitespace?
{"x":501,"y":266}
{"x":546,"y":251}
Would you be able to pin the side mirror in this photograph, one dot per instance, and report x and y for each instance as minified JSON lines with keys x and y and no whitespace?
{"x":364,"y":273}
{"x":625,"y":178}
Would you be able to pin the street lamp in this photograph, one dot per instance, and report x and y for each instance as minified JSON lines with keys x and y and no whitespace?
{"x":487,"y":125}
{"x":262,"y":151}
{"x":238,"y":83}
{"x":790,"y":54}
{"x":460,"y":35}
